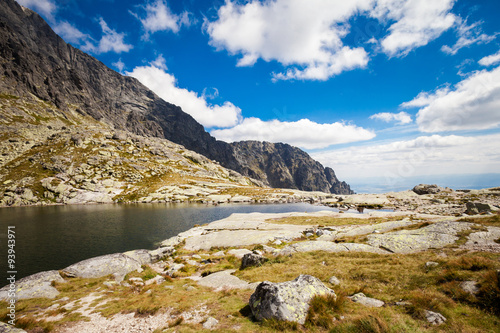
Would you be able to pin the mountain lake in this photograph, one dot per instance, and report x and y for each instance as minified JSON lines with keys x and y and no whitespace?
{"x":54,"y":237}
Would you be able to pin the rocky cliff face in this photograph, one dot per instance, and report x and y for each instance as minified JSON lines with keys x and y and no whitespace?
{"x":283,"y":166}
{"x":36,"y":63}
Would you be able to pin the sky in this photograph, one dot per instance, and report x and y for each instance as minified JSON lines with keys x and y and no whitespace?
{"x":386,"y":92}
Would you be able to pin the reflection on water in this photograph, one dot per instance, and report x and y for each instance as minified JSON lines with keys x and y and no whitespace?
{"x":55,"y":237}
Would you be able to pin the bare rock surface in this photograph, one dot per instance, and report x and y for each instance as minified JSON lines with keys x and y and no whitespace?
{"x":436,"y":235}
{"x":484,"y":240}
{"x":309,"y":246}
{"x":288,"y":301}
{"x":103,"y":265}
{"x":225,"y":280}
{"x":34,"y":286}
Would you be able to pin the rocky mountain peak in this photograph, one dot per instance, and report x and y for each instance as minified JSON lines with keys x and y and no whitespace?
{"x":36,"y":64}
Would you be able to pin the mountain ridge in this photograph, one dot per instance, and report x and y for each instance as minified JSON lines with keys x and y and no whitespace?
{"x":36,"y":61}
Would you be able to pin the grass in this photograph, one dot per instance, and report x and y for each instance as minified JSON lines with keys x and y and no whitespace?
{"x":486,"y":220}
{"x":328,"y":221}
{"x":390,"y":278}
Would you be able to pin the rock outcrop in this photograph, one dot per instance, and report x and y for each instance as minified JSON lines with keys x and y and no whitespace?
{"x":38,"y":64}
{"x":287,"y":301}
{"x":34,"y":286}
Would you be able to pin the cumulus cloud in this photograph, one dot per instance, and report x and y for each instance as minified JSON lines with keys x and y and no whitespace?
{"x":165,"y":85}
{"x":119,"y":65}
{"x":402,"y":118}
{"x":490,"y":60}
{"x":46,"y":8}
{"x":71,"y":34}
{"x":303,"y":133}
{"x":417,"y":23}
{"x":111,"y":41}
{"x":468,"y":35}
{"x":425,"y":155}
{"x":158,"y":17}
{"x":472,"y":104}
{"x":306,"y":35}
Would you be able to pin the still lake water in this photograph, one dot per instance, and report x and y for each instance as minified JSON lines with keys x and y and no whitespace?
{"x":54,"y":237}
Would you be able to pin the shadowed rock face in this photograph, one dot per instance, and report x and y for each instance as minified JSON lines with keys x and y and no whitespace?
{"x":34,"y":60}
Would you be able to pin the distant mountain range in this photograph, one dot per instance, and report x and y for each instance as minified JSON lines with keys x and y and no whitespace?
{"x":37,"y":65}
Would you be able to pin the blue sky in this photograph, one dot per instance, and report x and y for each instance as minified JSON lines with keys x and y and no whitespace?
{"x":383,"y":89}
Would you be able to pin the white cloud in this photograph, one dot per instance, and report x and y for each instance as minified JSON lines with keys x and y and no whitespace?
{"x":119,"y":64}
{"x":160,"y":18}
{"x":417,"y":23}
{"x":303,"y":133}
{"x":111,"y":41}
{"x":71,"y":34}
{"x":306,"y":35}
{"x":426,"y":155}
{"x":303,"y":33}
{"x":46,"y":8}
{"x":473,"y":104}
{"x":468,"y":35}
{"x":165,"y":86}
{"x":490,"y":60}
{"x":402,"y":118}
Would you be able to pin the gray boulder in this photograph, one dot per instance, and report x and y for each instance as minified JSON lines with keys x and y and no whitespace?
{"x":34,"y":286}
{"x":97,"y":267}
{"x":287,"y":301}
{"x":427,"y":189}
{"x":252,"y":259}
{"x":473,"y":208}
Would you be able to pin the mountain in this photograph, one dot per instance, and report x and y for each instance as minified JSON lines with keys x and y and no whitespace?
{"x":36,"y":64}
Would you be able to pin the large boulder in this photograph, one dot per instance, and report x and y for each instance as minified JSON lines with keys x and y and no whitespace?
{"x":287,"y":301}
{"x":473,"y":208}
{"x":427,"y":189}
{"x":97,"y":267}
{"x":34,"y":286}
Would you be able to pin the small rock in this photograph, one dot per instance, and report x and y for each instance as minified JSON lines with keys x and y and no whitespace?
{"x":334,"y":280}
{"x":219,"y":254}
{"x":434,"y":318}
{"x":366,"y":301}
{"x":136,"y":281}
{"x":277,"y":242}
{"x":140,"y":270}
{"x":309,"y":234}
{"x":431,"y":264}
{"x":157,"y":279}
{"x":470,"y":287}
{"x":109,"y":284}
{"x":252,"y":259}
{"x":210,"y":323}
{"x":319,"y":232}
